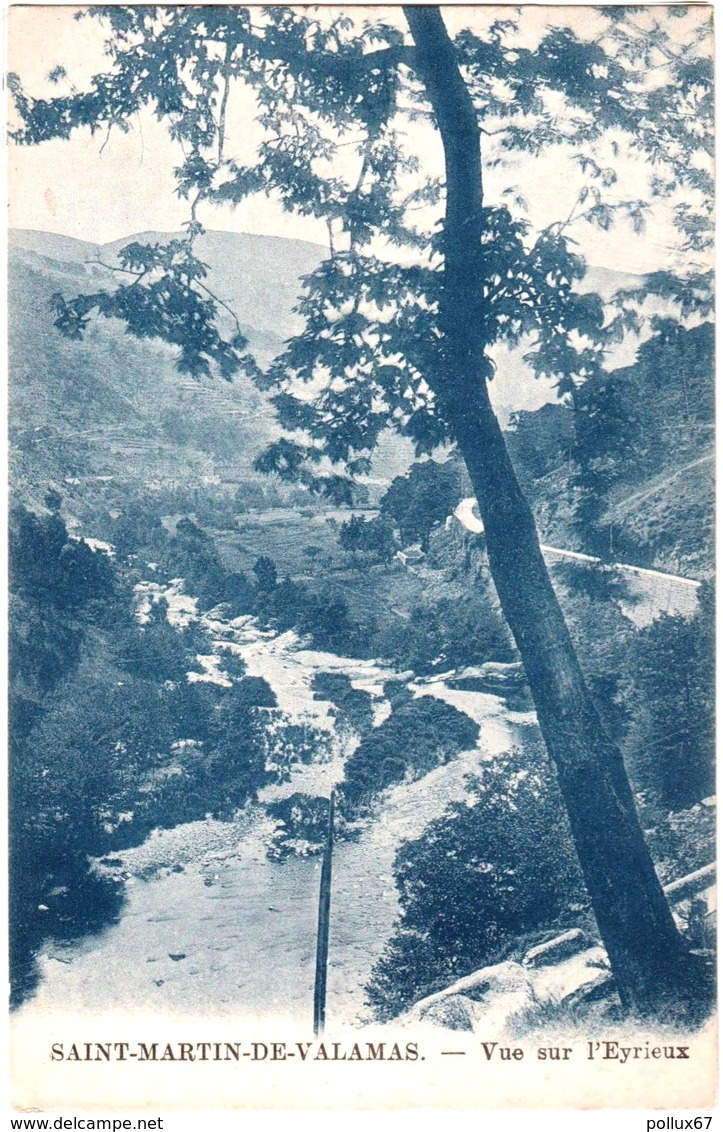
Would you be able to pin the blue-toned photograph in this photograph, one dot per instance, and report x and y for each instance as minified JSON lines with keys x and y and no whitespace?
{"x":361,"y":533}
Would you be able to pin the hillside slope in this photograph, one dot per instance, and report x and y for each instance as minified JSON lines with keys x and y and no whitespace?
{"x":114,"y":410}
{"x":643,"y":434}
{"x":114,"y":406}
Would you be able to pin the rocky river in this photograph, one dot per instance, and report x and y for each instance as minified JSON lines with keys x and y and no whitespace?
{"x":210,"y":923}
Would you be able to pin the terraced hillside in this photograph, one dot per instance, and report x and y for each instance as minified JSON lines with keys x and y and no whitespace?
{"x":111,"y":406}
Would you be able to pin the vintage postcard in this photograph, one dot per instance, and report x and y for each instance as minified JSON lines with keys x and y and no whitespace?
{"x":361,"y":557}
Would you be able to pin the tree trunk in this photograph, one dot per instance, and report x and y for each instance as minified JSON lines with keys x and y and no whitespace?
{"x":651,"y":967}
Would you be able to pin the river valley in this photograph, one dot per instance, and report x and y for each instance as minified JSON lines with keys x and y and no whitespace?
{"x":210,"y":923}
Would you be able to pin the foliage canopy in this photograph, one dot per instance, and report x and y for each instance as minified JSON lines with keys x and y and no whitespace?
{"x":332,"y":112}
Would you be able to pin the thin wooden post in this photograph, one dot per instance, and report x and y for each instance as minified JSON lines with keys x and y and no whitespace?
{"x":322,"y":933}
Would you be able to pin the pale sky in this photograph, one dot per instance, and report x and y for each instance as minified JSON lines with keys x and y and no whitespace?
{"x":100,"y":192}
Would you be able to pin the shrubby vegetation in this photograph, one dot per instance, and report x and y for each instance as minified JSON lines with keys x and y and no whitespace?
{"x":49,"y":568}
{"x":445,"y":633}
{"x":330,"y":624}
{"x":425,"y":496}
{"x":671,"y":740}
{"x":654,"y":686}
{"x":138,"y":529}
{"x":108,"y":738}
{"x":288,"y":744}
{"x":191,"y":554}
{"x":420,"y":734}
{"x":619,"y":430}
{"x":303,"y":823}
{"x":624,"y":417}
{"x":485,"y":878}
{"x":352,"y":705}
{"x":680,"y":842}
{"x":541,"y":441}
{"x":368,"y":540}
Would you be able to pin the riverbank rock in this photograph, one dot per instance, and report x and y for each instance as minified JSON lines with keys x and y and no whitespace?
{"x":494,"y":995}
{"x":566,"y":972}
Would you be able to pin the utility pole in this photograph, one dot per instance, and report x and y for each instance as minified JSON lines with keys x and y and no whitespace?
{"x":322,"y":933}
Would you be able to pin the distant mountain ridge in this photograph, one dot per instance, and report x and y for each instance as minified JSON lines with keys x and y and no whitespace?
{"x":113,"y":406}
{"x":257,"y":275}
